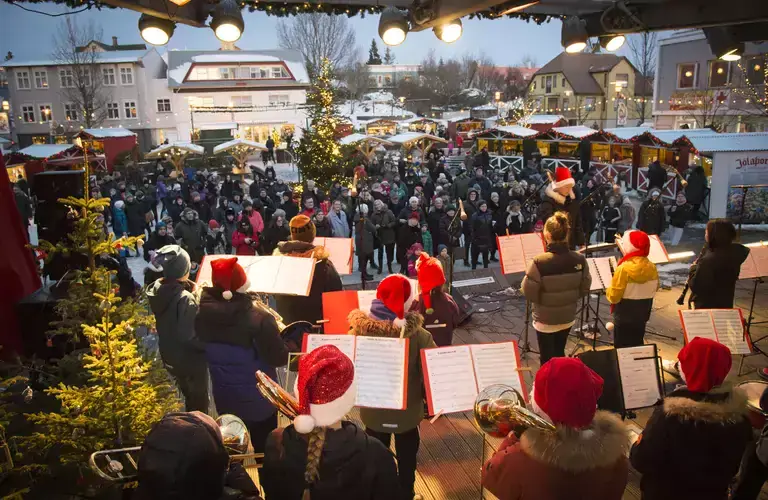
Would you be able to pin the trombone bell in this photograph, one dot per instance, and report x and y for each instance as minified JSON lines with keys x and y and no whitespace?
{"x":500,"y":409}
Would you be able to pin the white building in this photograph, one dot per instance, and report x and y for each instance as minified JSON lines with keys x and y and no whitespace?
{"x":212,"y":96}
{"x":387,"y":76}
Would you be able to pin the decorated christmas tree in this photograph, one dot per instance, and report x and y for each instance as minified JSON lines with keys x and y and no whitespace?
{"x":319,"y":154}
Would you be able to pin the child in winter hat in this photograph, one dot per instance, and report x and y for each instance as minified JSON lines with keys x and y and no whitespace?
{"x":229,"y":276}
{"x":394,"y":297}
{"x":430,"y":274}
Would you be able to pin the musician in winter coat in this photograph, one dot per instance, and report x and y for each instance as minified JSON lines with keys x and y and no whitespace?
{"x":693,"y":443}
{"x":632,"y":289}
{"x":388,"y":315}
{"x":326,"y":278}
{"x":554,"y":283}
{"x":240,"y":337}
{"x":713,"y":284}
{"x":436,"y":305}
{"x":584,"y":458}
{"x":560,"y":197}
{"x":320,"y":456}
{"x":651,"y":218}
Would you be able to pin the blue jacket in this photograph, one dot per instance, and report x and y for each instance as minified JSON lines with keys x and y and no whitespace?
{"x":339,"y":224}
{"x":240,"y":337}
{"x":119,"y":222}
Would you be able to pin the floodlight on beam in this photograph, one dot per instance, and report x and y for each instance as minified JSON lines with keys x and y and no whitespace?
{"x":574,"y":35}
{"x":449,"y":32}
{"x":393,"y":26}
{"x":154,"y":30}
{"x":612,"y":43}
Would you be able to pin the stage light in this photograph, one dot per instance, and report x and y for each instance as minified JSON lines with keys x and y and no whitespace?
{"x":227,"y":21}
{"x":154,"y":30}
{"x":723,"y":43}
{"x":612,"y":43}
{"x":393,"y":26}
{"x":449,"y":32}
{"x":573,"y":36}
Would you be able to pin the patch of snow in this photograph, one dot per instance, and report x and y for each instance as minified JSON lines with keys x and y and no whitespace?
{"x":298,"y":69}
{"x":237,"y":142}
{"x":379,"y":96}
{"x":543,"y":119}
{"x":45,"y":150}
{"x":100,"y":133}
{"x":472,"y":92}
{"x":178,"y":73}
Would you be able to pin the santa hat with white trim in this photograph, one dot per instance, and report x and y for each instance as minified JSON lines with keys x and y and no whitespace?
{"x":397,"y":294}
{"x":430,"y":275}
{"x":325,"y":388}
{"x":563,"y":178}
{"x":635,"y":243}
{"x":230,"y":276}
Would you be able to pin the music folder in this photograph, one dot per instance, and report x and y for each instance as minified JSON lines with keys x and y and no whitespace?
{"x":721,"y":325}
{"x":756,"y":265}
{"x":601,"y":269}
{"x":381,"y":367}
{"x":516,"y":251}
{"x":631,"y":378}
{"x":455,"y":375}
{"x":337,"y":306}
{"x":277,"y":274}
{"x":658,"y":254}
{"x":340,"y":250}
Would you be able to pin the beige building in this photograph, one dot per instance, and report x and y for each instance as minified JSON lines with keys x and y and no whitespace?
{"x":589,"y":89}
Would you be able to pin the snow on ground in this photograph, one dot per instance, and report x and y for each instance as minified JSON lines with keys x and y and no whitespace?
{"x":744,"y":227}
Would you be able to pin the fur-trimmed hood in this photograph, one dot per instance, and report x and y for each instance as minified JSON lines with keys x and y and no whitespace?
{"x":365,"y":326}
{"x":577,"y":450}
{"x":301,"y":249}
{"x":557,"y":197}
{"x":722,"y":405}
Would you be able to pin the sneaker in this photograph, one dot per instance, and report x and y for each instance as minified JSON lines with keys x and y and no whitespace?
{"x":672,"y":367}
{"x":763,"y":373}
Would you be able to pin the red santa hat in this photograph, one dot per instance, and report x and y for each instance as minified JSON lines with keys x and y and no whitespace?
{"x":635,"y":243}
{"x":325,"y":388}
{"x":567,"y":390}
{"x":430,"y":274}
{"x":228,"y":275}
{"x":563,"y":178}
{"x":397,"y":294}
{"x":704,"y":364}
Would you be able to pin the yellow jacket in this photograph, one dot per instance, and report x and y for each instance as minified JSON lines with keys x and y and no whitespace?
{"x":635,"y":279}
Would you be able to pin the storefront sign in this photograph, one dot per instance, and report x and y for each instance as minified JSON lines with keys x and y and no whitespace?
{"x":740,"y":169}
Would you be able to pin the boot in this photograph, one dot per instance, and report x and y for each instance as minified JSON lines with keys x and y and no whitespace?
{"x":389,"y":268}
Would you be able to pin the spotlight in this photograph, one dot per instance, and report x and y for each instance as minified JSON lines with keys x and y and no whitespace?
{"x":574,"y":35}
{"x":612,"y":43}
{"x":449,"y":32}
{"x":154,"y":30}
{"x":723,"y":43}
{"x":393,"y":26}
{"x":227,"y":21}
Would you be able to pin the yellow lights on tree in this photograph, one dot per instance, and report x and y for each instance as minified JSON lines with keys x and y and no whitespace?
{"x":227,"y":21}
{"x":156,"y":31}
{"x":449,"y":32}
{"x":393,"y":26}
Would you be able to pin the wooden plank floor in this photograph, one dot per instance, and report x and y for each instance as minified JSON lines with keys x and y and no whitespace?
{"x":453,"y":449}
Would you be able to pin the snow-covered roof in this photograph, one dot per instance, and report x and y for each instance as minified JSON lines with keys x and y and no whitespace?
{"x":670,"y":136}
{"x":627,"y":133}
{"x":486,"y":107}
{"x":118,"y":56}
{"x":45,"y":150}
{"x":103,"y":133}
{"x":225,"y":146}
{"x":362,"y":112}
{"x":355,"y":138}
{"x":414,"y":136}
{"x":576,"y":131}
{"x":166,"y":148}
{"x":472,"y":92}
{"x":543,"y":119}
{"x":517,"y":130}
{"x":713,"y":143}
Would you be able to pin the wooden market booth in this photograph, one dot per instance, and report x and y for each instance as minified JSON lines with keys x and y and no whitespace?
{"x":426,"y":125}
{"x":366,"y":144}
{"x":240,"y":150}
{"x":466,"y":128}
{"x":416,"y":140}
{"x":381,"y":127}
{"x":109,"y":141}
{"x":505,"y":140}
{"x":176,"y":153}
{"x":543,"y":123}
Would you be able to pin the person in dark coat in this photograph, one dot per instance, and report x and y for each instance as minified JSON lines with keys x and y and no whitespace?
{"x":219,"y":212}
{"x":240,"y":337}
{"x":384,"y":221}
{"x":228,"y":187}
{"x":190,"y":233}
{"x":693,"y":443}
{"x":365,"y":233}
{"x":436,"y":305}
{"x":320,"y":456}
{"x":289,"y":206}
{"x":697,"y":187}
{"x":470,"y":207}
{"x":134,"y":212}
{"x":434,"y":219}
{"x":322,"y":224}
{"x":326,"y":278}
{"x":200,"y":206}
{"x":268,"y":206}
{"x":514,"y":221}
{"x":449,"y":229}
{"x":657,"y":175}
{"x":119,"y":219}
{"x":560,"y":197}
{"x":413,"y":207}
{"x":482,"y":233}
{"x":407,"y":234}
{"x":651,"y":218}
{"x":215,"y":241}
{"x":175,"y":306}
{"x":679,"y":215}
{"x":174,"y":209}
{"x":482,"y":181}
{"x":24,"y":206}
{"x":610,"y":219}
{"x":230,"y":226}
{"x":714,"y":276}
{"x":157,"y":240}
{"x":276,"y":231}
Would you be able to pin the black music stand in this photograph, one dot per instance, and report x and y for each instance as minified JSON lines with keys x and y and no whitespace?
{"x":748,"y":327}
{"x":523,"y":343}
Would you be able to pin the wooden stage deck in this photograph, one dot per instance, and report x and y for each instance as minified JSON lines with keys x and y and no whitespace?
{"x":452,"y":449}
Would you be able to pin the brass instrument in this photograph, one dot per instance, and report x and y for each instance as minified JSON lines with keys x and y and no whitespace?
{"x":463,"y":214}
{"x":500,"y":409}
{"x":279,"y":397}
{"x":673,"y":170}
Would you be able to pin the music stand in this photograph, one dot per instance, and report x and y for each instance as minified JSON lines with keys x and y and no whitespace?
{"x":748,"y":327}
{"x":523,"y":343}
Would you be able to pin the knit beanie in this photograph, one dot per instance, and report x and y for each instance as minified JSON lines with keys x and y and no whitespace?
{"x":302,"y":229}
{"x":175,"y":261}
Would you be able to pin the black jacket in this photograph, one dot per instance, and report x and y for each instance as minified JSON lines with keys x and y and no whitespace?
{"x":353,"y":465}
{"x":552,"y":202}
{"x":692,"y":445}
{"x":134,"y":213}
{"x":679,"y":215}
{"x":156,"y":242}
{"x":651,"y":217}
{"x":657,"y":176}
{"x":482,"y":230}
{"x":273,"y":235}
{"x":714,"y":281}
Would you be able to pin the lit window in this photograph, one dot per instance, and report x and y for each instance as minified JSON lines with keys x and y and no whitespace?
{"x":756,"y":70}
{"x":163,"y":105}
{"x":589,"y":103}
{"x":129,"y":107}
{"x":28,"y":113}
{"x":41,"y":79}
{"x":686,"y":75}
{"x":67,"y":78}
{"x":113,"y":111}
{"x":126,"y":76}
{"x":70,"y":111}
{"x":719,"y":73}
{"x":622,"y":80}
{"x":22,"y":80}
{"x":46,"y":114}
{"x":108,"y":75}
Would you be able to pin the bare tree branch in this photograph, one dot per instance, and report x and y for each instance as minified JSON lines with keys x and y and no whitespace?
{"x":643,"y":49}
{"x":319,"y":36}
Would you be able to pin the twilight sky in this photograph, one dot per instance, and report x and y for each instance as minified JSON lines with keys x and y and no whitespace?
{"x":28,"y":35}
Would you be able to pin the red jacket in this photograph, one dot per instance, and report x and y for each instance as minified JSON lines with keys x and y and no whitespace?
{"x":590,"y":464}
{"x":241,"y":247}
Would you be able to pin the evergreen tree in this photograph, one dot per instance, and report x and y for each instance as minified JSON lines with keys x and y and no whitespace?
{"x":318,"y":154}
{"x":389,"y":57}
{"x":373,"y":53}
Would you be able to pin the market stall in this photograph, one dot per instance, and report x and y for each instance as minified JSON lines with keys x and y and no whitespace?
{"x":543,"y":123}
{"x":381,"y":127}
{"x":39,"y":157}
{"x":466,"y":128}
{"x":416,"y":140}
{"x":366,"y":144}
{"x":20,"y":166}
{"x":240,"y":150}
{"x":176,"y":153}
{"x":109,"y":141}
{"x":505,"y":145}
{"x":426,"y":125}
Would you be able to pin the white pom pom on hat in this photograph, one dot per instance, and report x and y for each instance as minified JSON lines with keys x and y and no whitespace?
{"x":304,"y":424}
{"x":227,"y":295}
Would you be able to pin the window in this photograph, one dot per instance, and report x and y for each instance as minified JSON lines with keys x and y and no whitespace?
{"x":244,"y":72}
{"x":686,"y":75}
{"x":22,"y":80}
{"x":548,"y":85}
{"x":566,"y":104}
{"x":553,"y":103}
{"x":279,"y":100}
{"x":126,"y":76}
{"x":562,"y":82}
{"x":108,"y":74}
{"x":70,"y":111}
{"x":130,"y":109}
{"x":201,"y":73}
{"x":28,"y":113}
{"x":277,"y":72}
{"x":554,"y":82}
{"x":533,"y":85}
{"x":67,"y":78}
{"x":46,"y":114}
{"x":198,"y":102}
{"x":113,"y":113}
{"x":263,"y":72}
{"x":163,"y":105}
{"x":755,"y":70}
{"x":228,"y":73}
{"x":85,"y":77}
{"x":242,"y":100}
{"x":719,"y":73}
{"x":41,"y":79}
{"x":589,"y":103}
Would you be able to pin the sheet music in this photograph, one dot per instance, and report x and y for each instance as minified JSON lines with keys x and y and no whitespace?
{"x":450,"y":379}
{"x":279,"y":274}
{"x":698,"y":323}
{"x":511,"y":254}
{"x":340,"y":250}
{"x":533,"y":245}
{"x":601,"y":272}
{"x":657,"y":254}
{"x":345,"y":343}
{"x":639,"y":377}
{"x":730,"y":330}
{"x":365,"y":299}
{"x":497,"y":364}
{"x":380,"y":370}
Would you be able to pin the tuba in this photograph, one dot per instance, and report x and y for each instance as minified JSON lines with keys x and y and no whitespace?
{"x":500,"y":409}
{"x":279,"y":397}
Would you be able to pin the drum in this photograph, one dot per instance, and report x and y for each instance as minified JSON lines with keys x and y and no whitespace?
{"x":754,"y":390}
